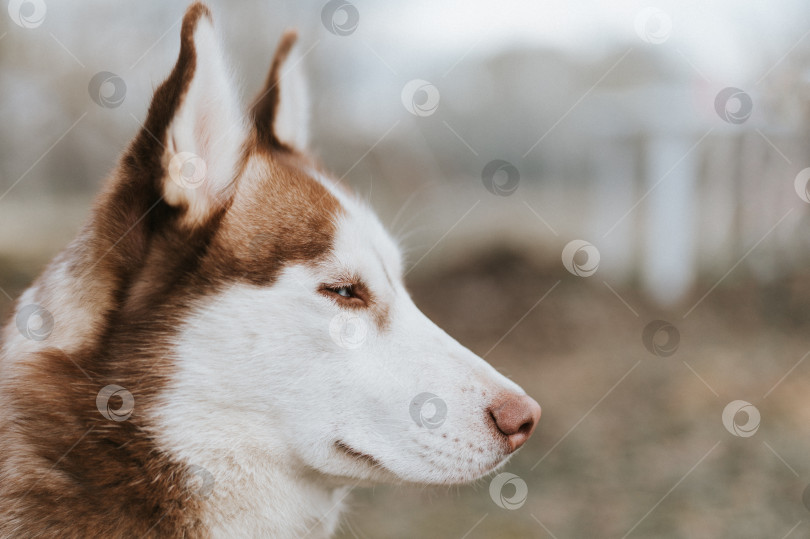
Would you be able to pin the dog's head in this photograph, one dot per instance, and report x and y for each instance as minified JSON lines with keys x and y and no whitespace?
{"x":298,"y":343}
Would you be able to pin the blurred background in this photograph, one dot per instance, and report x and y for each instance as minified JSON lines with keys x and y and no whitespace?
{"x":606,"y":200}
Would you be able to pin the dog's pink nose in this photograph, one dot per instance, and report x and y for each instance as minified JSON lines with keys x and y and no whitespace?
{"x":516,"y":416}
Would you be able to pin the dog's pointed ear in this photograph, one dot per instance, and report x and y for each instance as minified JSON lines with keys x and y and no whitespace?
{"x":281,"y":110}
{"x":196,"y":114}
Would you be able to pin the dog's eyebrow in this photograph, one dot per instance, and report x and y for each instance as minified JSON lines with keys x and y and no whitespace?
{"x":346,"y":277}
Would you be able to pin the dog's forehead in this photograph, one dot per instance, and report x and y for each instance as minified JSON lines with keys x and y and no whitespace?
{"x":278,"y":215}
{"x":361,"y":241}
{"x":282,"y":185}
{"x":286,"y":210}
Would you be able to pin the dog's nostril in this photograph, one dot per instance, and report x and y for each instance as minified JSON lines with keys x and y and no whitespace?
{"x":516,"y":416}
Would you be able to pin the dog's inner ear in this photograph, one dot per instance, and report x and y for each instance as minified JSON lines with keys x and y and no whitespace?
{"x":280,"y":111}
{"x":197,"y":110}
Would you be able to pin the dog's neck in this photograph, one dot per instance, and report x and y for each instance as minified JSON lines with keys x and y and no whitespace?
{"x":273,"y":502}
{"x":257,"y":488}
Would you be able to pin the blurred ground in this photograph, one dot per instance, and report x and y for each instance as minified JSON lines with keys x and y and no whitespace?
{"x":625,"y":436}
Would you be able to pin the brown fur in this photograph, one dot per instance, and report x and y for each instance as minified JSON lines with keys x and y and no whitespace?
{"x":67,"y":471}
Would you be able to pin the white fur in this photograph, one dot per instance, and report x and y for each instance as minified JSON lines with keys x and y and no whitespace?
{"x":263,"y":392}
{"x":75,"y":302}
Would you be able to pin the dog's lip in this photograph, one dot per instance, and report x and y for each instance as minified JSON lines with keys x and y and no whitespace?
{"x":357,"y":455}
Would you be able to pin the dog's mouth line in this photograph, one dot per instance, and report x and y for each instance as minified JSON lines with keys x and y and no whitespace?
{"x":358,"y":455}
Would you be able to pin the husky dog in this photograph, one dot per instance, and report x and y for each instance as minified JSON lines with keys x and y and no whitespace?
{"x":227,"y":347}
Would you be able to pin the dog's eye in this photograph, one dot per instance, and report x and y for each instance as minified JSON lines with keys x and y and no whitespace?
{"x":350,"y":295}
{"x":345,"y":291}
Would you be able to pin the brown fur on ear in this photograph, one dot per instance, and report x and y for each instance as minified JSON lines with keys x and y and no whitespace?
{"x":195,"y":119}
{"x":265,"y":107}
{"x":169,"y":95}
